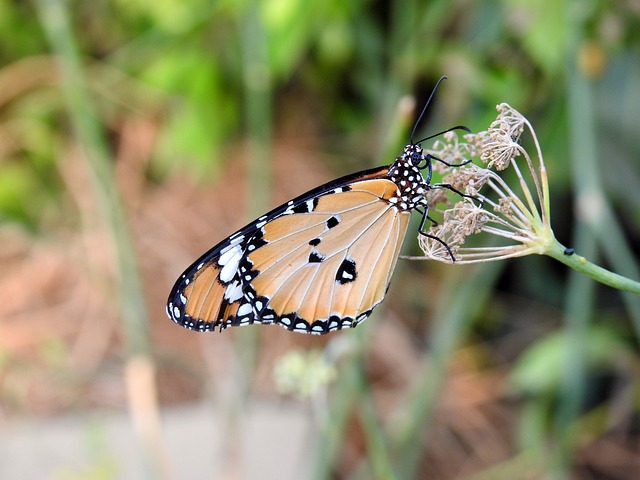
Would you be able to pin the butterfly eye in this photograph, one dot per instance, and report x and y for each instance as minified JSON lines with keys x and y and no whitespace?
{"x":416,"y":154}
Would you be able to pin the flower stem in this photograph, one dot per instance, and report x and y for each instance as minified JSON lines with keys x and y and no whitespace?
{"x":602,"y":275}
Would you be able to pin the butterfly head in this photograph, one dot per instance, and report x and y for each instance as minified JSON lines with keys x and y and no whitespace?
{"x":414,"y":155}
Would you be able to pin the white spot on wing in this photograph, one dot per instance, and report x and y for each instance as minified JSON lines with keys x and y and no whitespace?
{"x":229,"y":261}
{"x":228,"y":254}
{"x":310,"y":205}
{"x":245,"y":309}
{"x":233,"y":243}
{"x":233,"y":292}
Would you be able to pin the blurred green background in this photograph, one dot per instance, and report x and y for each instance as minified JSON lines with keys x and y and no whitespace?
{"x":134,"y":135}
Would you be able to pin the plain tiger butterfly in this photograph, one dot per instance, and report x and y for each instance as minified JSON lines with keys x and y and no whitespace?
{"x":320,"y":262}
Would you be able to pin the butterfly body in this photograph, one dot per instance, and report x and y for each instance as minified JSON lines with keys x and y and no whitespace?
{"x":320,"y":262}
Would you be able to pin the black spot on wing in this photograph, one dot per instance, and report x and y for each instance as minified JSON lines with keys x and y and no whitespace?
{"x":315,"y":242}
{"x":333,"y":221}
{"x":316,"y":257}
{"x":347,"y":271}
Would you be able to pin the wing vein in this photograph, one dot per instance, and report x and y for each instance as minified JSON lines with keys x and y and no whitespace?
{"x":384,"y":245}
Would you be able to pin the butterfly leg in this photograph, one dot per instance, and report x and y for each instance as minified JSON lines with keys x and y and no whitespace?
{"x":421,"y":231}
{"x":458,"y":192}
{"x":425,"y":217}
{"x":430,"y":157}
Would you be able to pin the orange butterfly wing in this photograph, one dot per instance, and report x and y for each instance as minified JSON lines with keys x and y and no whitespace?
{"x":318,"y":263}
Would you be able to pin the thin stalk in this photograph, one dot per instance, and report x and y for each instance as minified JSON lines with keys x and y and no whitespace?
{"x":546,"y":205}
{"x":532,"y":169}
{"x":54,"y":18}
{"x":582,"y":137}
{"x":533,"y":207}
{"x":143,"y":405}
{"x":543,"y":193}
{"x":257,"y":112}
{"x":502,"y":189}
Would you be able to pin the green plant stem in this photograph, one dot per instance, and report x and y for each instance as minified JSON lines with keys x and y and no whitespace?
{"x":602,"y":275}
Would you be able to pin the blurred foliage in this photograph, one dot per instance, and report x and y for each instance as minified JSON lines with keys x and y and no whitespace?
{"x":536,"y":375}
{"x":346,"y":65}
{"x":358,"y":57}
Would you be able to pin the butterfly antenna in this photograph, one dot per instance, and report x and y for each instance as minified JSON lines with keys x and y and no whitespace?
{"x":457,"y":127}
{"x":415,"y":126}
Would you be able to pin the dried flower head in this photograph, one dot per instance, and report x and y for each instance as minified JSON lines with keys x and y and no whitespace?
{"x":499,"y":144}
{"x":517,"y":215}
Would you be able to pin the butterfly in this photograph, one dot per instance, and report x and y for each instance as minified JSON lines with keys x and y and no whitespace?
{"x":320,"y":262}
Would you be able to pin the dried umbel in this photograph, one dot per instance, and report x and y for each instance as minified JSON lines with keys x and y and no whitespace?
{"x":519,"y":215}
{"x":515,"y":213}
